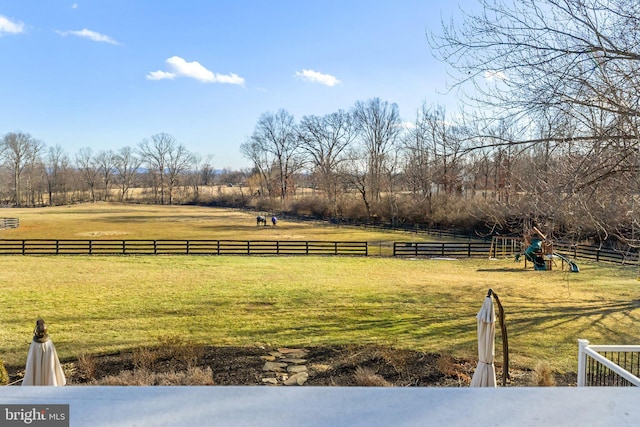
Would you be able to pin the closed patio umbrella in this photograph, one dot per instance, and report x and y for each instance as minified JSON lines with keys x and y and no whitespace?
{"x":485,"y":374}
{"x":43,"y":366}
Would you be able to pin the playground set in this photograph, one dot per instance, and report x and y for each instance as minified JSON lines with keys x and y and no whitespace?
{"x":537,"y":249}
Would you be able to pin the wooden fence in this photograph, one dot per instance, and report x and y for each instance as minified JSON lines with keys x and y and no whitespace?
{"x":485,"y":249}
{"x":276,"y":247}
{"x":593,"y":253}
{"x":442,"y":249}
{"x":9,"y":223}
{"x":179,"y":247}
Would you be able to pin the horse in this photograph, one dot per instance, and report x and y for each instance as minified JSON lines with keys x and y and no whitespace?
{"x":261,"y":220}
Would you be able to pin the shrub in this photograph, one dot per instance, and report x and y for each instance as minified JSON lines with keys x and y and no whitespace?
{"x":143,"y":377}
{"x":144,"y":357}
{"x":365,"y":377}
{"x":87,"y":366}
{"x":542,"y":375}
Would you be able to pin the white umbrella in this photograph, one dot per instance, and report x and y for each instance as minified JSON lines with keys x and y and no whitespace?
{"x":485,"y":374}
{"x":43,"y":366}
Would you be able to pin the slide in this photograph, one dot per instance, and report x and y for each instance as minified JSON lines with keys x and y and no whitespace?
{"x":573,"y":267}
{"x":533,"y":254}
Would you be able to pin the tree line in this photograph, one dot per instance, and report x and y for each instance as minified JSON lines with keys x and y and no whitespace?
{"x":36,"y":175}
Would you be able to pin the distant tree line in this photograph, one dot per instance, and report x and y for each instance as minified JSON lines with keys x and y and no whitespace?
{"x":36,"y":175}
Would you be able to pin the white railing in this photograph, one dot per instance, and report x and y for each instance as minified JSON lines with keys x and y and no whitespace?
{"x":589,"y":357}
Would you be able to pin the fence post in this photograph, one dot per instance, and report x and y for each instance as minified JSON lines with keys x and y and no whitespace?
{"x":582,"y":362}
{"x":90,"y":247}
{"x":335,"y":248}
{"x":124,"y":247}
{"x":23,"y":247}
{"x":469,"y":252}
{"x":443,"y":249}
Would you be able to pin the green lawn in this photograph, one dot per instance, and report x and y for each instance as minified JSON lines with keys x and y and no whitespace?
{"x":105,"y":304}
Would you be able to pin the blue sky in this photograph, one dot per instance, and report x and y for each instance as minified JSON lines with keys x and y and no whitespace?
{"x":107,"y":74}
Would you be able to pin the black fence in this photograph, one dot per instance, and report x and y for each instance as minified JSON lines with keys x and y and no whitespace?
{"x":273,"y":247}
{"x":9,"y":223}
{"x":179,"y":247}
{"x":593,"y":253}
{"x":442,"y":249}
{"x":497,"y":249}
{"x":598,"y":375}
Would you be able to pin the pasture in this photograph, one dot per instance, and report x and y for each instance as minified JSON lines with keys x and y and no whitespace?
{"x":104,"y":304}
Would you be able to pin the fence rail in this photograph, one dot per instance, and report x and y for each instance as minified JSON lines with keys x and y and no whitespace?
{"x":179,"y":247}
{"x":443,"y":249}
{"x":593,"y":253}
{"x":608,"y":365}
{"x":9,"y":223}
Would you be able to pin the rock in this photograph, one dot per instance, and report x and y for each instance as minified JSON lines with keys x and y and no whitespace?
{"x":269,"y":358}
{"x":292,"y":351}
{"x":270,"y":381}
{"x":294,"y":369}
{"x":274,"y":366}
{"x":294,"y":361}
{"x":297,"y":379}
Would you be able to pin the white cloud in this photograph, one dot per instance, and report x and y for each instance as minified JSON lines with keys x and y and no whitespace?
{"x":11,"y":27}
{"x":180,"y":68}
{"x":74,"y":6}
{"x":317,"y":77}
{"x":88,"y":34}
{"x":160,"y":75}
{"x":494,"y":75}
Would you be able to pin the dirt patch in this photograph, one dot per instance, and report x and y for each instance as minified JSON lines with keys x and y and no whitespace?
{"x":348,"y":365}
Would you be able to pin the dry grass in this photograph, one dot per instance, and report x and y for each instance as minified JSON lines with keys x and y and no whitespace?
{"x":128,"y":221}
{"x":87,"y":366}
{"x":145,"y":357}
{"x":542,"y":375}
{"x":4,"y":376}
{"x":143,"y":377}
{"x":447,"y":366}
{"x":365,"y":377}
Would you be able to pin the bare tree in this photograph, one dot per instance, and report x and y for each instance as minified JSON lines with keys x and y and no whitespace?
{"x":56,"y":168}
{"x":529,"y":60}
{"x":105,"y":160}
{"x":155,"y":152}
{"x":179,"y":159}
{"x":274,"y":148}
{"x":19,"y":151}
{"x":88,"y":168}
{"x":325,"y":140}
{"x":126,"y":166}
{"x":379,"y":126}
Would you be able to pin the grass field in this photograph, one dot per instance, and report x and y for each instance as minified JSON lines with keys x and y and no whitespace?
{"x":104,"y":304}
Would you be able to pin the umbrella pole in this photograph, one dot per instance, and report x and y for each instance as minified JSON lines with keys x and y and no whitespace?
{"x":505,"y":341}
